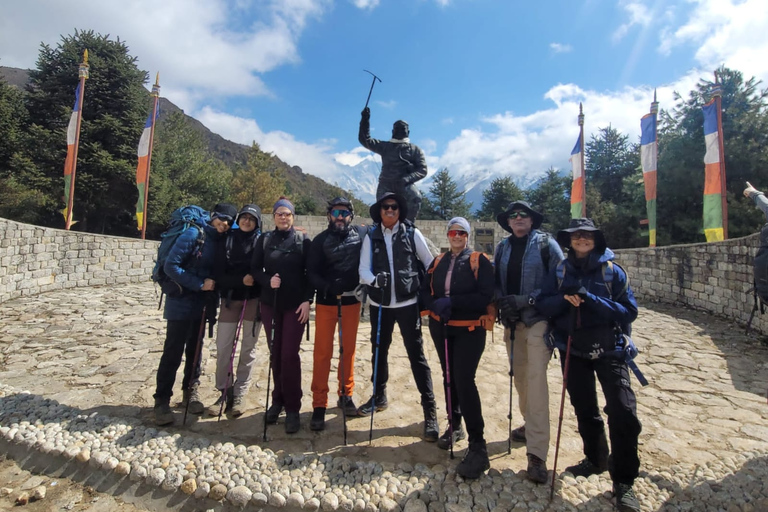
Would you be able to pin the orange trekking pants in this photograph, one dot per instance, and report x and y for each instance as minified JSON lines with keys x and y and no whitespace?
{"x":325,"y":330}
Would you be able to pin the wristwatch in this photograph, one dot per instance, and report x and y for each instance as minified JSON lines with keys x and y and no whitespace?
{"x":531,"y":301}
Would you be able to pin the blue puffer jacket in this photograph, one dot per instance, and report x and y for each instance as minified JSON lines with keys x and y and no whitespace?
{"x":533,"y":275}
{"x":190,"y":270}
{"x":599,"y":308}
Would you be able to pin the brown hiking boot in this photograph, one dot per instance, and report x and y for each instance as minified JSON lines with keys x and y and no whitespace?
{"x":518,"y":434}
{"x":537,"y":469}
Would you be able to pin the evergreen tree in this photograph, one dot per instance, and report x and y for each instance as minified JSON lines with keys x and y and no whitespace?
{"x":497,"y":197}
{"x":610,"y":158}
{"x":551,"y":195}
{"x":445,"y":200}
{"x":259,"y":182}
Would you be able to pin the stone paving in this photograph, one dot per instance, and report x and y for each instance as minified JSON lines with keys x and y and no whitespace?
{"x":97,"y":349}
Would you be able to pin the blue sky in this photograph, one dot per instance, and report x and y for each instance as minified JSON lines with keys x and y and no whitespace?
{"x":490,"y":87}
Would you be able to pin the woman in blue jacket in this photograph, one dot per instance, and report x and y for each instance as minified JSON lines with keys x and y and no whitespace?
{"x":589,"y":296}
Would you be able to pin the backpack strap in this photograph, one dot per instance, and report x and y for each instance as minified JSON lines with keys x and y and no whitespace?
{"x":608,"y":275}
{"x":432,"y":270}
{"x":544,"y":249}
{"x":560,"y":273}
{"x":474,"y":262}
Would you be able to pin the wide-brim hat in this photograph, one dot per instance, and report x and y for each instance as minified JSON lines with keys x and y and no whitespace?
{"x":503,"y":217}
{"x":582,"y":224}
{"x":375,"y":210}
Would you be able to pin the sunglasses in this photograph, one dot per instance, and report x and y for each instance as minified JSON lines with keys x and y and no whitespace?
{"x":522,"y":215}
{"x":283,"y":215}
{"x":341,"y":213}
{"x":457,"y":232}
{"x":394,"y":207}
{"x":586,"y":235}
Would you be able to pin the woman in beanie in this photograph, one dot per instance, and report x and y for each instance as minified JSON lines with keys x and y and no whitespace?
{"x":280,"y":267}
{"x":589,"y":296}
{"x":237,"y":289}
{"x":457,"y":293}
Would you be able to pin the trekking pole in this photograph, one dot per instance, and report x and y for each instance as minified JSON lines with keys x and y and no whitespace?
{"x":572,"y":321}
{"x":448,"y":386}
{"x":372,"y":84}
{"x":231,"y":371}
{"x":375,"y":376}
{"x":198,"y":350}
{"x":343,"y":389}
{"x":270,"y":344}
{"x":511,"y":374}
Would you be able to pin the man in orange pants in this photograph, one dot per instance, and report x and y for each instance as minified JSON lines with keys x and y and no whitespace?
{"x":333,"y":258}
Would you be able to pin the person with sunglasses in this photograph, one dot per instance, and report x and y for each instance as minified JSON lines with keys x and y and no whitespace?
{"x":581,"y":299}
{"x":393,"y":259}
{"x":523,"y":260}
{"x":332,"y":269}
{"x":457,"y":296}
{"x":279,"y":266}
{"x":191,"y":265}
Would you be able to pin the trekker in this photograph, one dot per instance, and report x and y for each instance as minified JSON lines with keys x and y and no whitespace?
{"x":236,"y":286}
{"x":391,"y":259}
{"x":333,"y":260}
{"x":280,"y":267}
{"x":457,"y":296}
{"x":402,"y":163}
{"x":190,"y":265}
{"x":523,"y":261}
{"x":602,"y":305}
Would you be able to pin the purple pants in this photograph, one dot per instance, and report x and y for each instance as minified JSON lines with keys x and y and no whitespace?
{"x":286,"y":362}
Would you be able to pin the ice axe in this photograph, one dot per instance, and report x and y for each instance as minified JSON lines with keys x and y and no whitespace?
{"x":372,"y":84}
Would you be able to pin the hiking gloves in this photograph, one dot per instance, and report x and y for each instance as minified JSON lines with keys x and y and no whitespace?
{"x":510,"y":306}
{"x":442,"y":308}
{"x":381,"y":280}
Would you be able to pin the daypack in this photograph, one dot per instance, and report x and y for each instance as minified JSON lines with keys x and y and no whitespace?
{"x":181,"y":219}
{"x":760,"y":287}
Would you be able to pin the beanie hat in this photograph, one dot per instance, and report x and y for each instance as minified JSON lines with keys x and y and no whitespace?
{"x":224,"y":211}
{"x":461,"y":221}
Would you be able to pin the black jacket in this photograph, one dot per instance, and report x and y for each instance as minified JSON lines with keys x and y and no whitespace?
{"x":285,"y":253}
{"x":469,"y":296}
{"x":234,"y":253}
{"x":335,"y":257}
{"x":400,"y":161}
{"x":408,"y":268}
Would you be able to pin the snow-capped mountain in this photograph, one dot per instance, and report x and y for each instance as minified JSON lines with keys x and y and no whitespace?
{"x":360,"y":179}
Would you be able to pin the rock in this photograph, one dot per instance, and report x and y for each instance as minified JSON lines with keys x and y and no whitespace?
{"x":156,"y":477}
{"x":259,"y":499}
{"x":415,"y":505}
{"x":38,"y":493}
{"x":189,"y":486}
{"x":172,"y":481}
{"x":5,"y":491}
{"x":23,"y":498}
{"x":295,"y":500}
{"x":203,"y":489}
{"x":277,"y":500}
{"x":312,"y":504}
{"x":389,"y":505}
{"x":218,"y":492}
{"x":330,"y":502}
{"x":84,"y":455}
{"x":239,"y":496}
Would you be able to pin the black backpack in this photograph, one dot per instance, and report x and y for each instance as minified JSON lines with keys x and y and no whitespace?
{"x":760,"y":284}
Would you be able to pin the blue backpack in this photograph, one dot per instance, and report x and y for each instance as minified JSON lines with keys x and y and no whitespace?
{"x":181,"y":219}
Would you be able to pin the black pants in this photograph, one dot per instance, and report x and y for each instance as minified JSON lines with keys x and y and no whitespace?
{"x":465,"y":348}
{"x":409,"y":321}
{"x":620,"y":406}
{"x":181,"y":339}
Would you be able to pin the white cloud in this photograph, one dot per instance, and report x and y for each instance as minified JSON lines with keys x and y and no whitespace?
{"x":560,"y":48}
{"x":389,"y":105}
{"x":365,"y":4}
{"x":638,"y":14}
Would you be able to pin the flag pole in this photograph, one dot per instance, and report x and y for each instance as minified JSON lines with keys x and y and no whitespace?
{"x":156,"y":95}
{"x":83,"y":76}
{"x":583,"y":166}
{"x":717,"y":93}
{"x":655,"y":113}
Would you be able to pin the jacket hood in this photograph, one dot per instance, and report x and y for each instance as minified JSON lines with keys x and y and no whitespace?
{"x":254,"y":210}
{"x":503,"y":217}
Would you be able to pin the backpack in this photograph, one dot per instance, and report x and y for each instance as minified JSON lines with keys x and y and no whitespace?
{"x":474,"y":264}
{"x":181,"y":219}
{"x":760,"y":285}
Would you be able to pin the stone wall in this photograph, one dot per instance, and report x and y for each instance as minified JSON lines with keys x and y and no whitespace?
{"x":714,"y":277}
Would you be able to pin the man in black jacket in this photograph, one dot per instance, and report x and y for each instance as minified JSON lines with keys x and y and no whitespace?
{"x":333,"y":258}
{"x":402,"y":163}
{"x":391,"y":258}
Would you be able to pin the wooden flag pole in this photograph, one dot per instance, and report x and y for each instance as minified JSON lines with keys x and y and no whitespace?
{"x":83,"y":75}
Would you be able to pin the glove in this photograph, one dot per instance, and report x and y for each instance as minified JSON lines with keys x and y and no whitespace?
{"x":381,"y":280}
{"x":336,"y":288}
{"x":510,"y":305}
{"x":442,"y":308}
{"x":366,"y":113}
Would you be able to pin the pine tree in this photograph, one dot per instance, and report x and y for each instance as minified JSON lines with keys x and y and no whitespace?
{"x":497,"y":196}
{"x":445,"y":200}
{"x":551,"y":195}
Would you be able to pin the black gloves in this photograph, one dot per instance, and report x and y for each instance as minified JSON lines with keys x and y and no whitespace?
{"x":442,"y":308}
{"x":366,"y":113}
{"x":381,"y":280}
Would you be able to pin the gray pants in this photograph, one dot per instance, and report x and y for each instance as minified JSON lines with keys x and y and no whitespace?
{"x":225,"y":337}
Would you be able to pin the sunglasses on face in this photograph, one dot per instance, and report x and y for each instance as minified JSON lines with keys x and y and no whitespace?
{"x":456,"y":232}
{"x":341,"y":213}
{"x":522,"y":215}
{"x":394,"y":207}
{"x":586,"y":235}
{"x":283,"y":215}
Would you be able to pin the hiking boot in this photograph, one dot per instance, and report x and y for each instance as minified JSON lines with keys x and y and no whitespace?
{"x":586,"y":468}
{"x":445,"y":440}
{"x":350,"y":409}
{"x":431,"y":428}
{"x":237,"y":407}
{"x":537,"y":469}
{"x":475,"y":461}
{"x":626,"y":501}
{"x":163,"y":414}
{"x":292,"y":422}
{"x":367,"y":407}
{"x":318,"y":419}
{"x":192,"y":397}
{"x":274,"y":412}
{"x":215,"y":407}
{"x":518,"y":435}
